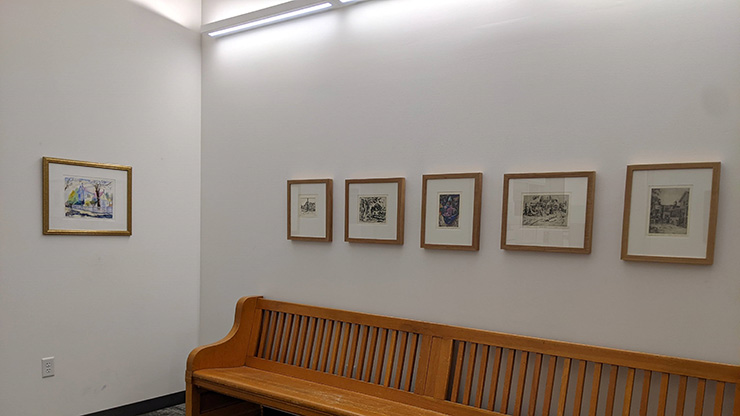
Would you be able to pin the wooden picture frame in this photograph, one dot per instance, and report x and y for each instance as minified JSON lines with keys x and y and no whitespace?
{"x":551,"y":212}
{"x":310,"y":209}
{"x":670,"y":212}
{"x":86,"y":198}
{"x":374,"y":210}
{"x":451,"y":211}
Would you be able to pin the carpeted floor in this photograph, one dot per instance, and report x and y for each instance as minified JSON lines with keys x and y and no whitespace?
{"x":178,"y":410}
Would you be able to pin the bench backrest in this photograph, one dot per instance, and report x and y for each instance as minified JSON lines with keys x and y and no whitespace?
{"x":472,"y":372}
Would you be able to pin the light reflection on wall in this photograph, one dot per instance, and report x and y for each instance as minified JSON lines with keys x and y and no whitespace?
{"x":183,"y":12}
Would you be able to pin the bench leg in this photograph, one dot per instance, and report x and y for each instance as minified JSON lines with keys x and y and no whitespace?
{"x":192,"y":400}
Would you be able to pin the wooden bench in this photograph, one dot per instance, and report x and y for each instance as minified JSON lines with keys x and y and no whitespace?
{"x":315,"y":361}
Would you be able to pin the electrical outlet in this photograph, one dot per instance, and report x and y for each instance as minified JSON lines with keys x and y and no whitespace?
{"x":47,"y":367}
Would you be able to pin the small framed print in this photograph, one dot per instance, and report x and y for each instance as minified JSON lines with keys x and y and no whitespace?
{"x":86,"y":198}
{"x":450,"y":211}
{"x":551,"y":211}
{"x":374,"y":210}
{"x":310,"y":209}
{"x":670,"y":212}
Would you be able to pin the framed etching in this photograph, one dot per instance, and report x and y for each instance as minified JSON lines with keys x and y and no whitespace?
{"x":548,"y":212}
{"x":374,"y":210}
{"x":310,"y":209}
{"x":450,"y":211}
{"x":670,"y":212}
{"x":85,"y":198}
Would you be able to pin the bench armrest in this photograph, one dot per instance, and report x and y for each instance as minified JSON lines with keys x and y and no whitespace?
{"x":230,"y":351}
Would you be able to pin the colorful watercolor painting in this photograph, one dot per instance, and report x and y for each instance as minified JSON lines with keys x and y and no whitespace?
{"x":669,"y":211}
{"x":449,"y":211}
{"x":545,"y":210}
{"x":90,"y":198}
{"x":307,"y":206}
{"x":373,"y":209}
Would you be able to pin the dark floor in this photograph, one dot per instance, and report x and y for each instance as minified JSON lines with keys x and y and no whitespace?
{"x":179,"y":410}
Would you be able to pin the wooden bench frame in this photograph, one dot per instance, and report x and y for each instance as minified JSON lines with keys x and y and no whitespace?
{"x":317,"y":361}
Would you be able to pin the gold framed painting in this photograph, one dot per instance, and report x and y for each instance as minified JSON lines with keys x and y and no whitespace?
{"x":552,"y":211}
{"x":310,"y":212}
{"x":86,"y":198}
{"x":670,"y":212}
{"x":451,"y":211}
{"x":374,"y":210}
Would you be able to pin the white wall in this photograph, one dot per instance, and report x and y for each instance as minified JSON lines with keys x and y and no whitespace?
{"x":408,"y":87}
{"x":105,"y":81}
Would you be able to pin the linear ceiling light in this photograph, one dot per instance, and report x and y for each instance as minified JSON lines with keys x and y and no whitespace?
{"x":271,"y":19}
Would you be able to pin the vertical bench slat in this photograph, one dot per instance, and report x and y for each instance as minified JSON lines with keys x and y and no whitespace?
{"x":339,"y":334}
{"x":494,"y":377}
{"x":681,"y":400}
{"x":371,"y":363}
{"x":535,"y":384}
{"x":699,"y":403}
{"x":736,"y":408}
{"x":549,"y":385}
{"x":263,"y":337}
{"x":483,"y":368}
{"x":663,"y":397}
{"x":315,"y":322}
{"x":391,"y":359}
{"x":381,"y":355}
{"x":345,"y":345}
{"x":319,"y":337}
{"x":471,"y":371}
{"x":294,"y":341}
{"x":331,"y":326}
{"x":298,"y":357}
{"x":595,"y":390}
{"x":612,"y":390}
{"x":274,"y":322}
{"x":628,"y":390}
{"x":719,"y":398}
{"x":521,"y":382}
{"x":645,"y":392}
{"x":458,"y":371}
{"x":508,"y":375}
{"x":564,"y":386}
{"x":578,"y":402}
{"x":412,"y":361}
{"x":288,"y":338}
{"x":363,"y":352}
{"x":277,"y":341}
{"x":401,"y":360}
{"x":353,"y":349}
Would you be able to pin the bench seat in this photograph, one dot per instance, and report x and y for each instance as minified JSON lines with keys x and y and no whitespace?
{"x":299,"y":396}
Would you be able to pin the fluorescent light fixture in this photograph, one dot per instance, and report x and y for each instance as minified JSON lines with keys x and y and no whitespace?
{"x":272,"y":19}
{"x":347,"y":1}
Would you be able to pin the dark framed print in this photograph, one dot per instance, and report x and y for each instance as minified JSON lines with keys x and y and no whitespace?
{"x":374,"y":210}
{"x":550,"y":211}
{"x":310,"y":209}
{"x":451,"y":211}
{"x":670,"y":212}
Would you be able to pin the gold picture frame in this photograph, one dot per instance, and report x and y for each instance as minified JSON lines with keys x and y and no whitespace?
{"x":374,"y":210}
{"x":86,"y":198}
{"x":310,"y":210}
{"x":451,"y":211}
{"x":551,"y":212}
{"x":670,"y":212}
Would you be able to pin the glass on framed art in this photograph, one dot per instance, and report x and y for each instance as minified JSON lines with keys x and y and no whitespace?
{"x":86,"y":198}
{"x":548,"y":212}
{"x":310,"y":209}
{"x":374,"y":210}
{"x":450,"y":211}
{"x":670,"y":212}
